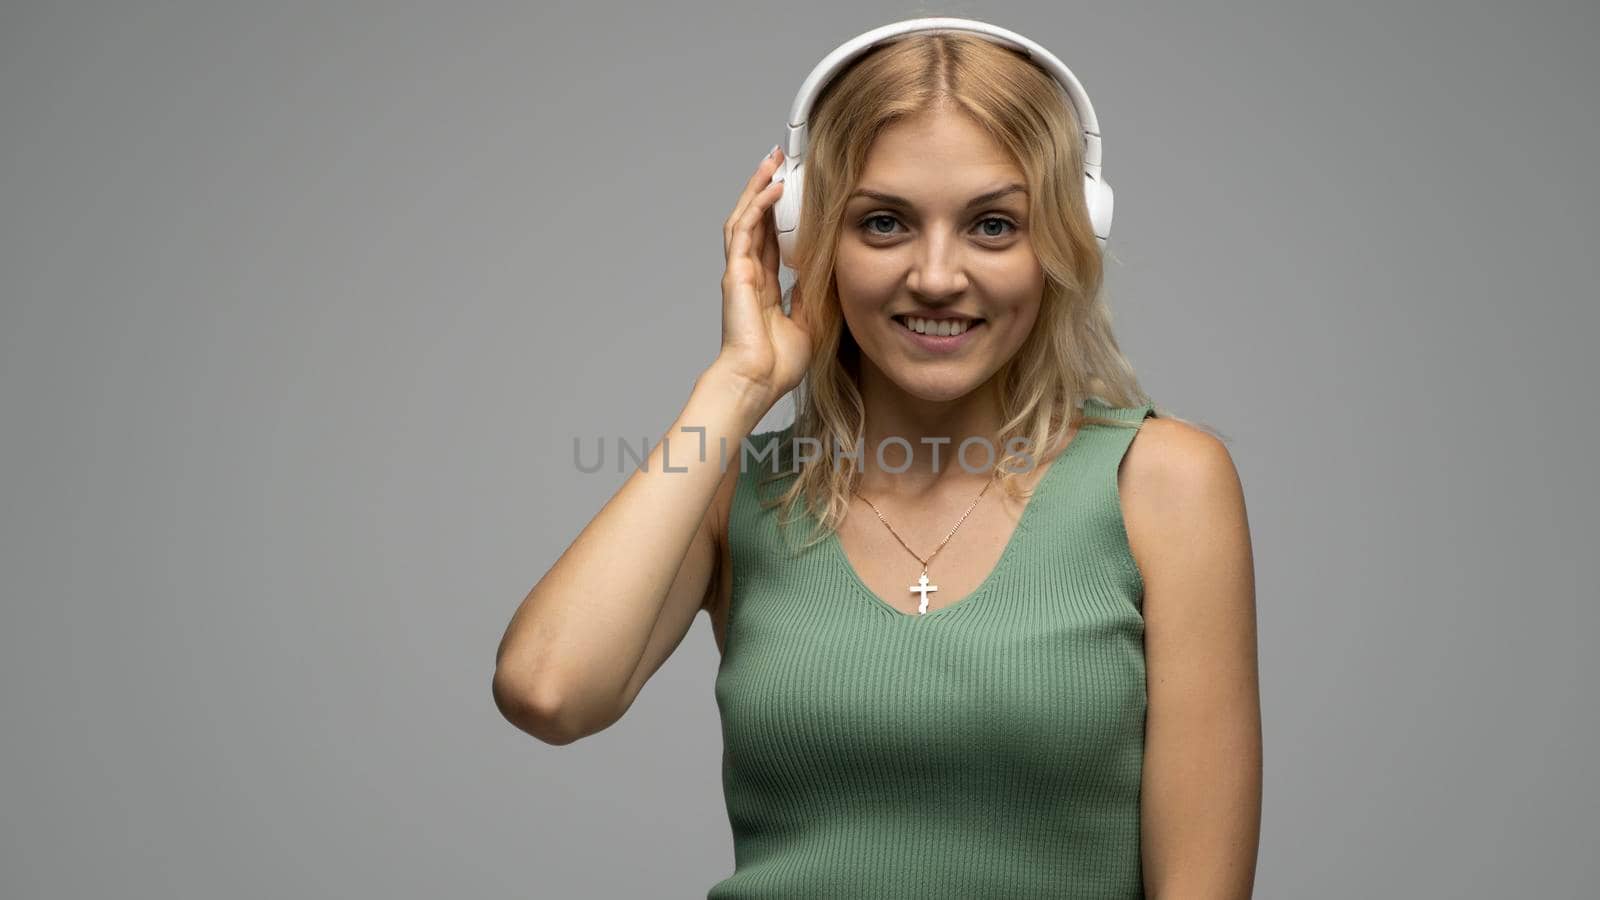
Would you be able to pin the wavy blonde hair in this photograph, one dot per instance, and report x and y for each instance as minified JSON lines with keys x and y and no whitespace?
{"x":1071,"y":352}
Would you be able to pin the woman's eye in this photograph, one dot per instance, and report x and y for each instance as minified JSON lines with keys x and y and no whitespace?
{"x":983,"y":224}
{"x":878,"y":218}
{"x":1005,"y":222}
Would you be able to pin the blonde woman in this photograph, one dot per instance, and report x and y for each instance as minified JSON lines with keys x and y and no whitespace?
{"x":986,"y":614}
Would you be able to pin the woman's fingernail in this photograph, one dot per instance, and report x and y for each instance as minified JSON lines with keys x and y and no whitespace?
{"x":772,"y":151}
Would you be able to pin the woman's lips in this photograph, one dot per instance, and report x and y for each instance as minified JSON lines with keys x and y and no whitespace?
{"x":939,"y":343}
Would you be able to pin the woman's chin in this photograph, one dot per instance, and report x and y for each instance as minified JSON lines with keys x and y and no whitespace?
{"x":933,"y":383}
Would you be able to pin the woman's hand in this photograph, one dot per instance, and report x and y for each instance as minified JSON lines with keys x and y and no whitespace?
{"x":760,"y":345}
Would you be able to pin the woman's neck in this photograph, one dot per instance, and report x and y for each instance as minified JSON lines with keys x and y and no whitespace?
{"x":934,"y":431}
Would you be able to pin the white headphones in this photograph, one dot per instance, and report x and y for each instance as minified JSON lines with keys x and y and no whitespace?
{"x":786,"y":212}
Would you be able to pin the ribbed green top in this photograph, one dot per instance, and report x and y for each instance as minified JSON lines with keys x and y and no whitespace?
{"x":992,"y":748}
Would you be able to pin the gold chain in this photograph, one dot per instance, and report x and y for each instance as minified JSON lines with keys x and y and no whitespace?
{"x":946,"y":537}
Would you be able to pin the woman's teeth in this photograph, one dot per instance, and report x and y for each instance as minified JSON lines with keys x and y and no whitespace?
{"x":937,"y":327}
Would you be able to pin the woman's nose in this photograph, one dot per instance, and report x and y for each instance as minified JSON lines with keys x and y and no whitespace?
{"x":938,"y":269}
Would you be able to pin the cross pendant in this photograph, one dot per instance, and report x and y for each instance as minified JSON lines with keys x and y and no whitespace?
{"x":923,"y":587}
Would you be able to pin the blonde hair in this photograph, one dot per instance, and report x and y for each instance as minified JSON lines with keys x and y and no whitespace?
{"x":1071,"y":352}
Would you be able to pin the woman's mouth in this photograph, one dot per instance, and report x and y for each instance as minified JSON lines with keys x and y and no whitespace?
{"x":937,"y":335}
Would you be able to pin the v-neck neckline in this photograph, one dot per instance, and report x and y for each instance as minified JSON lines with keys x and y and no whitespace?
{"x":1024,"y":525}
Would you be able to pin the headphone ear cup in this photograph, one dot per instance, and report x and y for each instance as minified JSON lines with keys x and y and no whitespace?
{"x":786,"y":212}
{"x":1102,"y":204}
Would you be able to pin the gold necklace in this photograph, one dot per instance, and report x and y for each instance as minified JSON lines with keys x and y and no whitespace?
{"x":922,"y":586}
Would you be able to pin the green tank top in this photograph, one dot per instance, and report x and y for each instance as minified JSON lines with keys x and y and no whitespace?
{"x":991,"y":748}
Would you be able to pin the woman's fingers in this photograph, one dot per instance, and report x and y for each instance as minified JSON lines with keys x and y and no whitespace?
{"x":769,"y":243}
{"x":744,"y":229}
{"x":761,"y":180}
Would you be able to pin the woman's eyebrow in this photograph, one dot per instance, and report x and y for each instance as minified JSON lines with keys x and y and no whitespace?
{"x":987,"y":197}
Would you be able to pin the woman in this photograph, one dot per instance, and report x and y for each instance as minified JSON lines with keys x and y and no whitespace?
{"x":939,"y":689}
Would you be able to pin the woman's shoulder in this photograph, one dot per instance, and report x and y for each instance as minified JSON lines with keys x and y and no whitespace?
{"x":1173,"y":467}
{"x":1173,"y":448}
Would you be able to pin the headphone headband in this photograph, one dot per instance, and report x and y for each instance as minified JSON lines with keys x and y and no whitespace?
{"x":800,"y":111}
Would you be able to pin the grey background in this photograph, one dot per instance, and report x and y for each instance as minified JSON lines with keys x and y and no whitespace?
{"x":304,"y":303}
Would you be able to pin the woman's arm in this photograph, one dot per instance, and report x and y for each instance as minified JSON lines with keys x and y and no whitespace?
{"x":624,"y":594}
{"x":1201,"y":806}
{"x":565,"y":664}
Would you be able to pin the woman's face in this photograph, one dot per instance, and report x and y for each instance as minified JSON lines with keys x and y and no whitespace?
{"x":925,"y":235}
